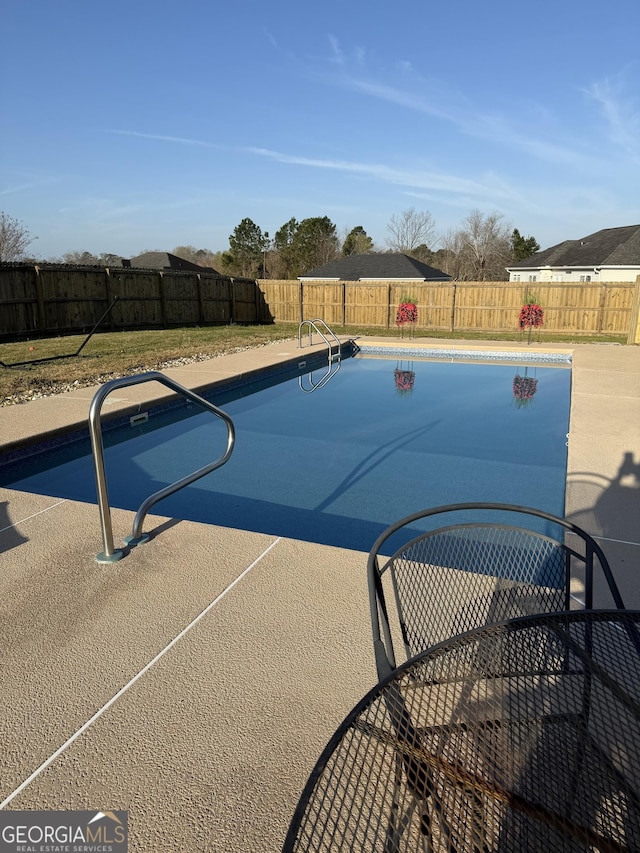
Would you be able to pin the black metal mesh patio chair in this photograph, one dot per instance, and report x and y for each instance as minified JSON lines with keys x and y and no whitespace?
{"x":458,"y":567}
{"x":537,"y":750}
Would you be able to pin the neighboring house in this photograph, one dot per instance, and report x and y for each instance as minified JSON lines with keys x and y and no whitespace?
{"x":612,"y":254}
{"x":376,"y":266}
{"x":164,"y":261}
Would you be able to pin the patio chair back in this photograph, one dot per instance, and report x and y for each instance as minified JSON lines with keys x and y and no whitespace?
{"x":458,"y":567}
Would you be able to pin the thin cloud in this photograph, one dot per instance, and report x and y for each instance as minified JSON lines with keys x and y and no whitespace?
{"x":104,"y":210}
{"x":271,"y":38}
{"x":360,"y":55}
{"x":162,"y":138}
{"x":29,"y":185}
{"x":517,"y":202}
{"x":337,"y":56}
{"x":20,"y":187}
{"x":622,"y":116}
{"x":455,"y":109}
{"x":400,"y":97}
{"x":499,"y":130}
{"x":416,"y":179}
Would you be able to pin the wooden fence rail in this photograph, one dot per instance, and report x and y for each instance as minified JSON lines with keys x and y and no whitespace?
{"x":56,"y":299}
{"x":604,"y":308}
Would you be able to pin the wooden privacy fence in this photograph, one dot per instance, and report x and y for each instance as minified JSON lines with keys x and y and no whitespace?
{"x":56,"y":299}
{"x":569,"y":308}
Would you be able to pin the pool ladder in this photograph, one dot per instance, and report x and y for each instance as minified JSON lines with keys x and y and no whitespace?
{"x":111,"y":554}
{"x":334,"y":358}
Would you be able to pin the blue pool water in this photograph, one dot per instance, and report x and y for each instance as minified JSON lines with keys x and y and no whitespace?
{"x":380,"y":440}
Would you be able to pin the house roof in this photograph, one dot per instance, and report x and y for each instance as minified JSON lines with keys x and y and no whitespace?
{"x":377,"y":265}
{"x":609,"y":247}
{"x":165,"y":260}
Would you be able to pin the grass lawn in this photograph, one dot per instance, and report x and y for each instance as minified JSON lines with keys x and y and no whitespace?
{"x":108,"y":355}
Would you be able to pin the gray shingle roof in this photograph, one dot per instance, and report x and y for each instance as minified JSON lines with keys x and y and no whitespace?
{"x":165,"y":260}
{"x":611,"y":246}
{"x":376,"y":265}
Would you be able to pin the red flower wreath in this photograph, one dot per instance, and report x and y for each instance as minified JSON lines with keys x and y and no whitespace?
{"x":531,"y":316}
{"x":407,"y":313}
{"x":524,"y":387}
{"x":404,"y":380}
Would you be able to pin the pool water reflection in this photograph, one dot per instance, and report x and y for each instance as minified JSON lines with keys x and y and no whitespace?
{"x":379,"y":441}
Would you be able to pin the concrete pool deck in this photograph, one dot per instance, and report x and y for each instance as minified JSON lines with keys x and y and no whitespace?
{"x":195,"y":682}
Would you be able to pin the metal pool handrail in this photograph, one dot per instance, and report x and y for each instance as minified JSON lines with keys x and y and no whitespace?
{"x":111,"y":554}
{"x":332,"y":368}
{"x":314,"y":386}
{"x":313,"y":326}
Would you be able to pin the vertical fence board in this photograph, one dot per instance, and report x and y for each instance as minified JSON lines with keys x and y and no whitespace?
{"x":19,"y":300}
{"x":180,"y":298}
{"x":139,"y":302}
{"x":215,"y":298}
{"x":244,"y":300}
{"x":323,"y":301}
{"x":366,"y":304}
{"x":72,"y":299}
{"x":282,"y":299}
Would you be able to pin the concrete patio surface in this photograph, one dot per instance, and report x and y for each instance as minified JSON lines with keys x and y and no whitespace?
{"x":195,"y":682}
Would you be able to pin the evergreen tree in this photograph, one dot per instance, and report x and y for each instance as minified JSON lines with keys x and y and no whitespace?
{"x":303,"y":246}
{"x":523,"y":247}
{"x":316,"y":243}
{"x":357,"y":242}
{"x":284,"y":260}
{"x":247,"y":246}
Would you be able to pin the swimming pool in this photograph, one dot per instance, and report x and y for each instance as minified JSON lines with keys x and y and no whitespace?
{"x":378,"y":441}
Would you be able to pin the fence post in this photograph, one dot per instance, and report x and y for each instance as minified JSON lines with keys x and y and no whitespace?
{"x":634,"y":325}
{"x":232,"y":294}
{"x":42,"y":321}
{"x":603,"y":297}
{"x":453,"y":307}
{"x":300,"y":300}
{"x":163,"y":307}
{"x":200,"y":306}
{"x":107,"y":293}
{"x":256,"y":300}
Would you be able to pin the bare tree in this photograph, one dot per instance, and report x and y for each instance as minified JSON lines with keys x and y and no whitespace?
{"x":449,"y":255}
{"x":80,"y":258}
{"x":409,"y":230}
{"x":483,"y":247}
{"x":14,"y":238}
{"x":203,"y":257}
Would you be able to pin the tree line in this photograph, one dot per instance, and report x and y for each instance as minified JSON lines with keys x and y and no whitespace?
{"x":479,"y":249}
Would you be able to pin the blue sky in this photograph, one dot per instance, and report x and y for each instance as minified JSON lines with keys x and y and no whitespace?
{"x":134,"y":125}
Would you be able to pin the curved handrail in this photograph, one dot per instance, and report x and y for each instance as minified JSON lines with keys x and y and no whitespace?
{"x":313,"y":325}
{"x":110,"y":554}
{"x":329,"y":373}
